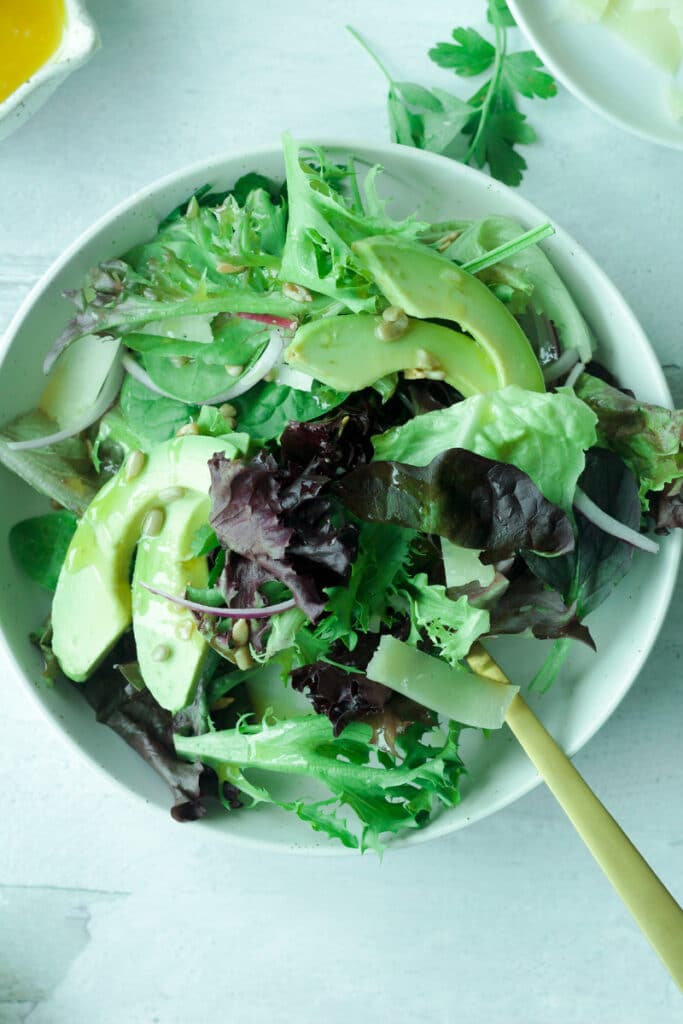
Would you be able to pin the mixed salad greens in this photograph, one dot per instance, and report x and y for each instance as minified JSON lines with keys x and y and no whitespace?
{"x":304,"y":458}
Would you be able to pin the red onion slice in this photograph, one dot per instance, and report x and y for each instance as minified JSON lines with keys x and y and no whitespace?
{"x":106,"y":397}
{"x":553,"y":371}
{"x":574,"y":375}
{"x":605,"y":522}
{"x":291,"y":378}
{"x":285,"y":323}
{"x":263,"y":365}
{"x":225,"y":613}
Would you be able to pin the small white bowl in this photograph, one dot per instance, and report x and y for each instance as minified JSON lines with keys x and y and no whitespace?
{"x":602,"y":71}
{"x":625,"y":627}
{"x":77,"y":45}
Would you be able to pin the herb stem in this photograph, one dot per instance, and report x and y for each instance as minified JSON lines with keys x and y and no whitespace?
{"x":366,"y":46}
{"x":501,"y":43}
{"x":507,"y":249}
{"x":349,"y":669}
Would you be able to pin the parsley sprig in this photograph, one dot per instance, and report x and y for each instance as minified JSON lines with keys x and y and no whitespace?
{"x":486,"y":128}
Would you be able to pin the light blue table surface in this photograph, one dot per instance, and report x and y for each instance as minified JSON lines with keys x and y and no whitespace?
{"x":106,"y":920}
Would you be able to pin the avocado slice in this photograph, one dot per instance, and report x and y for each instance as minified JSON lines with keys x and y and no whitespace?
{"x":345,"y":353}
{"x":428,"y":285}
{"x":171,"y":652}
{"x":92,"y":603}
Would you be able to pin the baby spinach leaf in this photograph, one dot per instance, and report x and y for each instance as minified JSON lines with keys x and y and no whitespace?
{"x":152,"y":417}
{"x":268,"y":408}
{"x":39,"y":545}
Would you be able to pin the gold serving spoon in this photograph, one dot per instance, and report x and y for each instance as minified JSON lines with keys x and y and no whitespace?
{"x":654,"y":909}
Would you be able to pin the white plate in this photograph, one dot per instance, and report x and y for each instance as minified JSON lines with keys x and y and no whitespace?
{"x":601,"y":70}
{"x":625,"y":627}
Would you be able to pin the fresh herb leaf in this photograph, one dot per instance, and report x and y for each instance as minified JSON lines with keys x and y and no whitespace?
{"x":500,"y":10}
{"x":488,"y":127}
{"x":427,"y":119}
{"x":39,"y":545}
{"x":522,"y":73}
{"x":469,"y":55}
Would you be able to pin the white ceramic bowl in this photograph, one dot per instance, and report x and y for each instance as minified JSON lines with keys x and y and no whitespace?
{"x":602,"y":71}
{"x":625,"y":627}
{"x":78,"y":43}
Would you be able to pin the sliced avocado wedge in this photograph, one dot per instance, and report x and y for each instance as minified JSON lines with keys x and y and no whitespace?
{"x":429,"y":286}
{"x":92,"y":603}
{"x":345,"y":353}
{"x":171,"y":653}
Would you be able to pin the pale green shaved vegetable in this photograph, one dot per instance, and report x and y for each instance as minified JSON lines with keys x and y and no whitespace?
{"x":455,"y":693}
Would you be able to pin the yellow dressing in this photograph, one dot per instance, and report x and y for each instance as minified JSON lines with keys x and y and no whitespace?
{"x":30,"y":32}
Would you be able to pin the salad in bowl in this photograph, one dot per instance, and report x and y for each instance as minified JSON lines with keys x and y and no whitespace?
{"x":304,"y":456}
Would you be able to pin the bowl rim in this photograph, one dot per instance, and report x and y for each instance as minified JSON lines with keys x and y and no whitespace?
{"x":441,"y":826}
{"x":584,"y":96}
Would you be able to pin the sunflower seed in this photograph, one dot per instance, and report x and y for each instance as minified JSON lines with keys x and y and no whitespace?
{"x":135,"y":463}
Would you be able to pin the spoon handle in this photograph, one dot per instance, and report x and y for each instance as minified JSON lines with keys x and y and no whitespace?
{"x":653,"y":907}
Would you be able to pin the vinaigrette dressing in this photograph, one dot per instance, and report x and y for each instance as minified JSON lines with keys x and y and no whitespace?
{"x":30,"y":32}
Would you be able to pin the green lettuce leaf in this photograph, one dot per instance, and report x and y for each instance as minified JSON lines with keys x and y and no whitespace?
{"x":389,"y":792}
{"x":217,"y":256}
{"x":544,"y":435}
{"x":384,"y":552}
{"x":323,"y":225}
{"x":452,"y":626}
{"x":62,"y":472}
{"x":647,"y":437}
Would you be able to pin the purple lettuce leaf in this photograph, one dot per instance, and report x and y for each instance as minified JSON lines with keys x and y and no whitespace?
{"x":338,"y":687}
{"x":275,"y":518}
{"x":527,"y":606}
{"x":148,"y":729}
{"x":471,"y":500}
{"x":586,"y":576}
{"x":667,"y":507}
